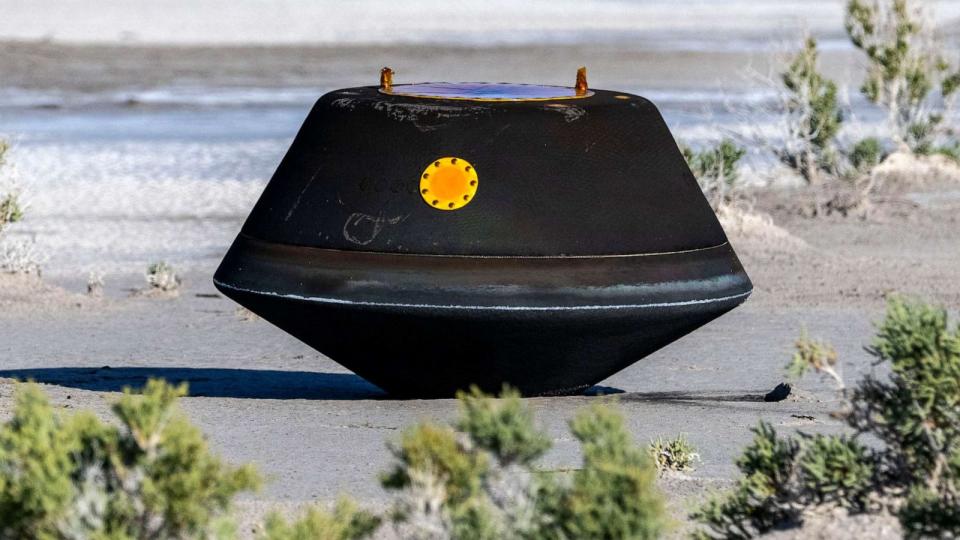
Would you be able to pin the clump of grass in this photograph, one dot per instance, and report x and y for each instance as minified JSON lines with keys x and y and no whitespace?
{"x":675,"y":454}
{"x":149,"y":474}
{"x":162,"y":277}
{"x":813,"y":355}
{"x":716,"y":170}
{"x":21,"y":257}
{"x":95,"y":283}
{"x":914,"y":414}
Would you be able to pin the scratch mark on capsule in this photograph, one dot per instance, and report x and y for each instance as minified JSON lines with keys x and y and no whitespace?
{"x":570,"y":113}
{"x":306,"y":186}
{"x":361,"y":228}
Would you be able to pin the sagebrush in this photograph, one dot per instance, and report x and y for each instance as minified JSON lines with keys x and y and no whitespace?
{"x":814,"y":117}
{"x":716,"y":169}
{"x":16,"y":256}
{"x":149,"y":475}
{"x":909,"y":73}
{"x":477,"y":479}
{"x":914,"y":414}
{"x":911,"y":76}
{"x":11,"y":211}
{"x":345,"y":522}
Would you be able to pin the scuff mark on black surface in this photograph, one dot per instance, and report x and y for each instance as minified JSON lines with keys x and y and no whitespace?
{"x":427,"y":117}
{"x":361,"y":229}
{"x":571,"y":113}
{"x":296,"y":203}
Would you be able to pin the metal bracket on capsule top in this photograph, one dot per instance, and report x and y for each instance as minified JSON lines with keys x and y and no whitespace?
{"x":581,"y":85}
{"x":386,"y":79}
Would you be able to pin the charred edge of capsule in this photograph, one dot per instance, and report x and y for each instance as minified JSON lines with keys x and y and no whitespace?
{"x":386,"y":79}
{"x":581,"y":86}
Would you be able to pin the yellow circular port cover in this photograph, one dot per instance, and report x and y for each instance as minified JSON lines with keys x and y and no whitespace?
{"x":448,"y":183}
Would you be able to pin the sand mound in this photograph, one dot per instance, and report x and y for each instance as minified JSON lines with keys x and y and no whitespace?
{"x":904,"y":169}
{"x":27,"y":292}
{"x":747,"y":225}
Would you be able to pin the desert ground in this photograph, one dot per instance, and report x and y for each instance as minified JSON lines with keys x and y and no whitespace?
{"x":316,"y":429}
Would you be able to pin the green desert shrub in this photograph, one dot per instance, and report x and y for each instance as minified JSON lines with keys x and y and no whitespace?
{"x":867,"y":154}
{"x":762,"y":496}
{"x":812,"y":124}
{"x":912,"y":414}
{"x":161,"y":276}
{"x":783,"y":475}
{"x":716,"y":170}
{"x":149,"y":475}
{"x":908,"y":73}
{"x":11,"y":211}
{"x":503,"y":427}
{"x":836,"y":469}
{"x":345,"y":522}
{"x":20,"y":256}
{"x":812,"y":355}
{"x":814,"y":117}
{"x":949,"y":151}
{"x":915,"y":411}
{"x":614,"y":494}
{"x":479,"y":480}
{"x":675,"y":454}
{"x":429,"y":450}
{"x":930,"y":514}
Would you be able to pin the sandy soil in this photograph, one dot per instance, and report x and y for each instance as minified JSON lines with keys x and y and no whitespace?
{"x":907,"y":245}
{"x":263,"y":397}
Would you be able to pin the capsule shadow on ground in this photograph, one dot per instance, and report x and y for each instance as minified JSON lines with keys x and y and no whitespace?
{"x":210,"y":382}
{"x":222,"y":382}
